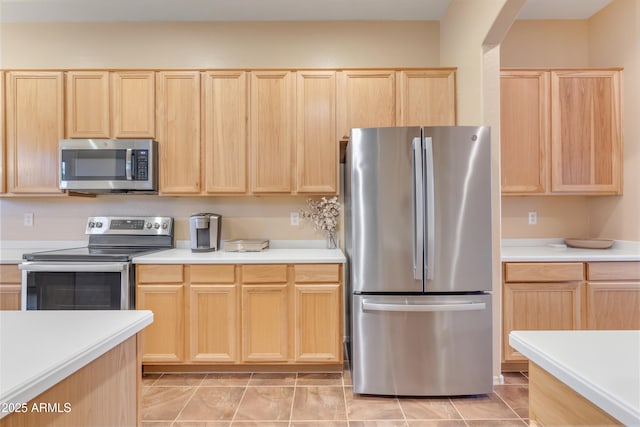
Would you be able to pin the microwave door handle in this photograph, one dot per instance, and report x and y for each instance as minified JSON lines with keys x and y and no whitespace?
{"x":128,"y":163}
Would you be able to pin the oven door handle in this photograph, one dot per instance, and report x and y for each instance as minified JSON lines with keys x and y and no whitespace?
{"x":63,"y":267}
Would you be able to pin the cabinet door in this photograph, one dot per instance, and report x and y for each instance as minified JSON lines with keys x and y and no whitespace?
{"x":426,"y":98}
{"x":318,"y":323}
{"x":365,"y":99}
{"x":272,"y":131}
{"x":214,"y":315}
{"x":213,"y":323}
{"x":178,"y":133}
{"x":10,"y":287}
{"x":317,"y":147}
{"x":133,"y":96}
{"x":265,"y":323}
{"x":613,"y":305}
{"x":35,"y":124}
{"x":524,"y":131}
{"x":163,"y":340}
{"x":88,"y":104}
{"x":225,"y":131}
{"x":538,"y":306}
{"x":586,"y":132}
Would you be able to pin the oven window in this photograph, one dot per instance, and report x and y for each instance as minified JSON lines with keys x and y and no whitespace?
{"x":94,"y":165}
{"x":74,"y":291}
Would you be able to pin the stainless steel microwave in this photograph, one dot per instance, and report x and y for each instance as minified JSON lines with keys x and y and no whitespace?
{"x":108,"y":165}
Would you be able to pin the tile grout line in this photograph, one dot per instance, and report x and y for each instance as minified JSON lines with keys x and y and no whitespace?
{"x":404,"y":416}
{"x":509,"y":406}
{"x":458,"y":411}
{"x":188,"y":400}
{"x":233,"y":418}
{"x":344,"y":398}
{"x":293,"y":398}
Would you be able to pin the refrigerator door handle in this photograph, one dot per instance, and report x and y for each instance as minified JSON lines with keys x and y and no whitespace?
{"x":467,"y":306}
{"x":430,"y":199}
{"x":418,"y":209}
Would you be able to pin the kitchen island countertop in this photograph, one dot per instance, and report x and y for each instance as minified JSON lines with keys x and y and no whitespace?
{"x":42,"y":348}
{"x":601,"y":366}
{"x":551,"y":250}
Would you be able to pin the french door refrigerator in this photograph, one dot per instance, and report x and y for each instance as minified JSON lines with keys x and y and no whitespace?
{"x":418,"y":243}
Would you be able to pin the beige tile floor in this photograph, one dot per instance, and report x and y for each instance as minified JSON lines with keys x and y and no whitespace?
{"x":316,"y":400}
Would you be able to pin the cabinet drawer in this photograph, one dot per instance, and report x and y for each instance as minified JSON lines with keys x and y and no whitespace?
{"x":316,"y":273}
{"x":264,"y":273}
{"x":9,"y":273}
{"x":543,"y":271}
{"x":613,"y":271}
{"x":170,"y":273}
{"x":213,"y":273}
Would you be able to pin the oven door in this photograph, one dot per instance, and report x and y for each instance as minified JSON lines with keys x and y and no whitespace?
{"x":77,"y":286}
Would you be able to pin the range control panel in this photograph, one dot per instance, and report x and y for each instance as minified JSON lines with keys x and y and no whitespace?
{"x":134,"y":225}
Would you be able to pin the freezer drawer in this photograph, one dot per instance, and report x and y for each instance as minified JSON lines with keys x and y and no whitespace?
{"x":422,"y":345}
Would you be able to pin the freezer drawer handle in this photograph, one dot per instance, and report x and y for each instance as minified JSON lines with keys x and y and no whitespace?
{"x":468,"y":306}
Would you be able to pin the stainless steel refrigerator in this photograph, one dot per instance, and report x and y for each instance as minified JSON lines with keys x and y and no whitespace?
{"x":418,"y":243}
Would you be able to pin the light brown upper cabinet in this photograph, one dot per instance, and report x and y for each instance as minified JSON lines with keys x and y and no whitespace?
{"x":586,"y":132}
{"x":88,"y":104}
{"x":178,"y":133}
{"x":133,"y":99}
{"x":272,"y":131}
{"x":35,"y":124}
{"x":524,"y":131}
{"x":561,"y":132}
{"x":103,"y":104}
{"x":426,"y":97}
{"x":225,"y":131}
{"x":366,"y":98}
{"x":317,"y":147}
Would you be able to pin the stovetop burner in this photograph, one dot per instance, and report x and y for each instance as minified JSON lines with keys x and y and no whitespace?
{"x":115,"y":239}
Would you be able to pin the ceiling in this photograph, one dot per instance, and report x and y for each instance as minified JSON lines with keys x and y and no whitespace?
{"x":265,"y":10}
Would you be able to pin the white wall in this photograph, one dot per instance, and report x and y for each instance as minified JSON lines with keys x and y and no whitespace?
{"x":199,"y":45}
{"x":614,"y":40}
{"x":611,"y":38}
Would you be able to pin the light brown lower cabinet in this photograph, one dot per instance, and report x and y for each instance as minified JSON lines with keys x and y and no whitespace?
{"x":10,"y":287}
{"x":276,"y":314}
{"x":214,"y":322}
{"x":568,"y":296}
{"x":613,"y":295}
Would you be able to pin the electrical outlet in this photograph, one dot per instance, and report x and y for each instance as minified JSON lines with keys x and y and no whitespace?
{"x":28,"y":219}
{"x":295,"y":219}
{"x":533,"y":218}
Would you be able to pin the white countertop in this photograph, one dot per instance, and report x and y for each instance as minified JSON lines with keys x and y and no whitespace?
{"x":267,"y":256}
{"x":540,"y":250}
{"x":11,"y":250}
{"x":280,"y":251}
{"x":601,"y":366}
{"x":41,"y":348}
